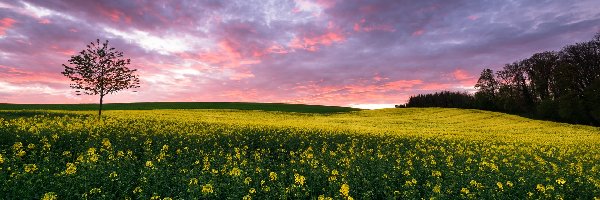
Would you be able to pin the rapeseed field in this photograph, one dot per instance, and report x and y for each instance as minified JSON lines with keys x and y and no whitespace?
{"x":431,"y":153}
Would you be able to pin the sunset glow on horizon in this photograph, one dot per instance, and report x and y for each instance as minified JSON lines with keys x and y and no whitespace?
{"x":365,"y":54}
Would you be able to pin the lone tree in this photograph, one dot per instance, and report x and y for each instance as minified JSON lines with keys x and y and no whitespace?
{"x":100,"y":70}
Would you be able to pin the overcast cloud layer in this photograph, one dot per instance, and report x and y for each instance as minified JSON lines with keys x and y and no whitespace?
{"x":304,"y":51}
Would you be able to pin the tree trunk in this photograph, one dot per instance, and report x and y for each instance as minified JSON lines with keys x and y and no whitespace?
{"x":100,"y":110}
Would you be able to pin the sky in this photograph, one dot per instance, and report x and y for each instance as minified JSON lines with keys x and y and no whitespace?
{"x":365,"y":54}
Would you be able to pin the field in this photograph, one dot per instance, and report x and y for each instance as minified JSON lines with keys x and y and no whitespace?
{"x":259,"y":153}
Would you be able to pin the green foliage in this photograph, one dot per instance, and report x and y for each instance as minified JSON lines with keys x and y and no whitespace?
{"x":233,"y":154}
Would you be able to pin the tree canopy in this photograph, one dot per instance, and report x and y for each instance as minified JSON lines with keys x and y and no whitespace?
{"x":100,"y":70}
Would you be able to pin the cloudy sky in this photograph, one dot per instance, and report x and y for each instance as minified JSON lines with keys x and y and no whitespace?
{"x":344,"y":52}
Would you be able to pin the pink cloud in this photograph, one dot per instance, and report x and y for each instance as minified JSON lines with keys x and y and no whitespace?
{"x":436,"y":86}
{"x":225,"y":55}
{"x":277,"y":49}
{"x":356,"y":27}
{"x":18,"y":76}
{"x":44,"y":21}
{"x":418,"y":32}
{"x":460,"y":74}
{"x":473,"y":17}
{"x":402,"y":84}
{"x":115,"y":15}
{"x":464,"y":77}
{"x":311,"y":43}
{"x":63,"y":51}
{"x":5,"y":24}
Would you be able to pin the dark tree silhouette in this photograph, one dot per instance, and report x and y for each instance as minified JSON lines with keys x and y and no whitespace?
{"x":559,"y":85}
{"x":563,"y":85}
{"x":487,"y":87}
{"x":444,"y":99}
{"x":100,"y":70}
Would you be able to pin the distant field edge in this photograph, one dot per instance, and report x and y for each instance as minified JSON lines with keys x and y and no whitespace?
{"x":283,"y":107}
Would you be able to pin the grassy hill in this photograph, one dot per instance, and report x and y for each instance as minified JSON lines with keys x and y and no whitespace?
{"x":410,"y":153}
{"x":282,"y":107}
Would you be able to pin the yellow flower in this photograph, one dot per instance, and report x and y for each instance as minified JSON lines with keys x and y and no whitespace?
{"x":17,"y":146}
{"x":437,"y":189}
{"x":334,"y":172}
{"x":92,"y":154}
{"x":509,"y":184}
{"x":71,"y":169}
{"x":322,"y":197}
{"x":193,"y":181}
{"x":1,"y":159}
{"x":273,"y":176}
{"x":137,"y":190}
{"x":436,"y":173}
{"x":167,"y":198}
{"x":247,"y":197}
{"x":299,"y":179}
{"x":252,"y":191}
{"x":66,"y":153}
{"x":345,"y":190}
{"x":155,"y":197}
{"x":332,"y":178}
{"x":473,"y":183}
{"x":50,"y":196}
{"x":30,"y":168}
{"x":106,"y":143}
{"x":113,"y":175}
{"x":31,"y":146}
{"x":247,"y":180}
{"x":95,"y":191}
{"x":464,"y":191}
{"x":207,"y":189}
{"x":235,"y":172}
{"x":499,"y":184}
{"x":540,"y":188}
{"x":149,"y":164}
{"x":266,"y":188}
{"x":561,"y":181}
{"x":21,"y":153}
{"x":411,"y":182}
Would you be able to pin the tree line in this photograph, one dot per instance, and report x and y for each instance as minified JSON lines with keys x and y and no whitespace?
{"x":558,"y":85}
